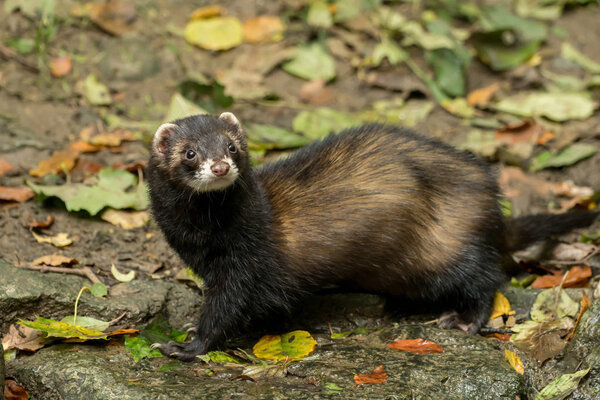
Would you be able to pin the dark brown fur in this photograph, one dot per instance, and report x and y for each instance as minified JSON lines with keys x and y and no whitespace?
{"x":379,"y":206}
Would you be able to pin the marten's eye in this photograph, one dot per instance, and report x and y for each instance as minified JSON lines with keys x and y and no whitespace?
{"x":231,"y":147}
{"x":190,"y":154}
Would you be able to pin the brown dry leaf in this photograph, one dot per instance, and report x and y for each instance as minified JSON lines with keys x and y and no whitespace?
{"x":113,"y":138}
{"x":19,"y":194}
{"x":315,"y":92}
{"x":130,"y":167}
{"x":501,"y":336}
{"x":5,"y":166}
{"x":577,"y":277}
{"x":54,"y":260}
{"x":545,"y":138}
{"x":514,"y":361}
{"x":573,"y":251}
{"x":60,"y":66}
{"x":266,"y":28}
{"x":114,"y":16}
{"x":81,"y":146}
{"x":59,"y":240}
{"x":23,"y":338}
{"x":375,"y":377}
{"x":14,"y":391}
{"x":525,"y":131}
{"x":63,"y":160}
{"x":41,"y":224}
{"x":129,"y":331}
{"x":207,"y":12}
{"x":583,"y":306}
{"x":510,"y":177}
{"x":126,"y":219}
{"x":416,"y":346}
{"x":548,"y":346}
{"x":85,"y":168}
{"x":481,"y":97}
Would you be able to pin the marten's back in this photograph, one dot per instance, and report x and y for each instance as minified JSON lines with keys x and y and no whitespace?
{"x":381,"y":206}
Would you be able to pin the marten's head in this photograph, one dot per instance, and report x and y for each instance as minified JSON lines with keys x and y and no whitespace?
{"x":204,"y":152}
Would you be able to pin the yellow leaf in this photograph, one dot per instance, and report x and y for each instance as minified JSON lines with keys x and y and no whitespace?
{"x":289,"y":346}
{"x":219,"y":33}
{"x":121,"y":277}
{"x":501,"y":306}
{"x":207,"y":12}
{"x":514,"y":361}
{"x":63,"y":160}
{"x":60,"y":240}
{"x":126,"y":219}
{"x":266,"y":28}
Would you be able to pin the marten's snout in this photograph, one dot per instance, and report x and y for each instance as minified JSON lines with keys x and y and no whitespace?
{"x":220,"y":168}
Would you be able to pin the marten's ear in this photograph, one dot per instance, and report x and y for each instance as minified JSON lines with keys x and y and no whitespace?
{"x":231,"y":120}
{"x":162,"y":138}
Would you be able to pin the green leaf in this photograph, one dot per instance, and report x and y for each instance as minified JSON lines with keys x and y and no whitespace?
{"x":332,"y":388}
{"x":345,"y":10}
{"x":547,"y":308}
{"x":219,"y":33}
{"x":311,"y":62}
{"x":390,"y":50}
{"x":87,"y":322}
{"x":569,"y":52}
{"x":268,"y":137}
{"x":159,"y":331}
{"x":98,"y":289}
{"x":222,"y":357}
{"x":60,"y":329}
{"x":114,"y":188}
{"x":289,"y":346}
{"x":448,"y":70}
{"x":459,"y":107}
{"x":322,"y":121}
{"x":555,"y":106}
{"x":95,"y":92}
{"x":397,"y":111}
{"x":481,"y":143}
{"x":319,"y":14}
{"x":562,"y":387}
{"x":209,"y":96}
{"x":182,"y":108}
{"x":171,"y":366}
{"x":341,"y":335}
{"x":414,"y":34}
{"x":120,"y":276}
{"x":539,"y":9}
{"x":139,"y":347}
{"x":500,"y":55}
{"x":22,"y":45}
{"x":568,"y":156}
{"x":499,"y":18}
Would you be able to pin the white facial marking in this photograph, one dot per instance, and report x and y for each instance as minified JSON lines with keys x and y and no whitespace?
{"x":206,"y":181}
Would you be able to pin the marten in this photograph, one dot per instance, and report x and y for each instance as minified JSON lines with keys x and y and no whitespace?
{"x":378,"y":206}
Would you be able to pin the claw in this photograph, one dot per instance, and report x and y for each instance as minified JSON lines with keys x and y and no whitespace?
{"x":156,"y":346}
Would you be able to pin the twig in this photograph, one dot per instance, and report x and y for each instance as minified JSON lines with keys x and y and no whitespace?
{"x":10,"y":54}
{"x":85,"y":271}
{"x":117,"y":319}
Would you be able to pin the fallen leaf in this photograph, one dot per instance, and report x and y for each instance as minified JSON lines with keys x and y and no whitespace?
{"x":113,"y":16}
{"x":82,"y":146}
{"x":514,"y":361}
{"x":547,"y":346}
{"x":86,"y":322}
{"x":458,"y":107}
{"x":584,"y":304}
{"x":113,"y":138}
{"x":23,"y":338}
{"x":60,"y":161}
{"x":564,"y":158}
{"x":554,"y":106}
{"x":322,"y":121}
{"x":501,"y":306}
{"x":509,"y":176}
{"x":96,"y":92}
{"x":59,"y":240}
{"x":85,"y":168}
{"x":114,"y":188}
{"x":14,"y":391}
{"x":289,"y":346}
{"x":129,"y":331}
{"x":526,"y":131}
{"x":572,"y":252}
{"x":449,"y":71}
{"x":126,"y":219}
{"x":569,"y":52}
{"x":266,"y":28}
{"x":416,"y":346}
{"x":5,"y":166}
{"x":54,"y":260}
{"x":319,"y":14}
{"x":218,"y":33}
{"x":311,"y":62}
{"x":19,"y":194}
{"x":548,"y":306}
{"x":269,"y":137}
{"x":315,"y":92}
{"x":130,"y":167}
{"x":481,"y":97}
{"x":98,"y":289}
{"x":561,"y":387}
{"x":60,"y":66}
{"x":397,"y":111}
{"x":207,"y":12}
{"x":542,"y":340}
{"x":121,"y":277}
{"x":376,"y":377}
{"x":482,"y":143}
{"x":501,"y":336}
{"x":390,"y":50}
{"x":60,"y":329}
{"x":41,"y":224}
{"x":264,"y":371}
{"x":180,"y":108}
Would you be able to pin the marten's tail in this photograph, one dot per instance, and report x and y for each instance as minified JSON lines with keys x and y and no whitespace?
{"x":529,"y":229}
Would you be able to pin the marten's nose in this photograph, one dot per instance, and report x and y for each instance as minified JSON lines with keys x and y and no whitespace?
{"x":220,"y":168}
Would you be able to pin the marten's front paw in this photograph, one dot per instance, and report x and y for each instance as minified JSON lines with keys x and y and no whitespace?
{"x":181,"y":351}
